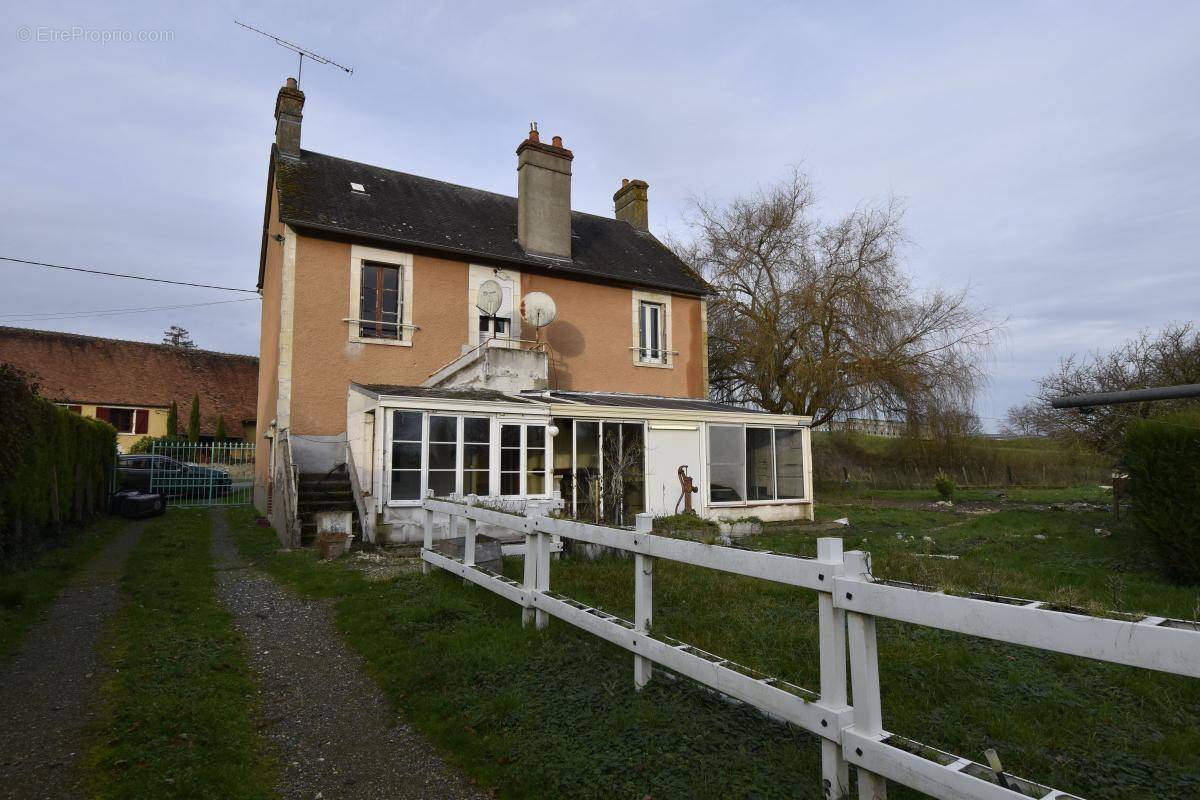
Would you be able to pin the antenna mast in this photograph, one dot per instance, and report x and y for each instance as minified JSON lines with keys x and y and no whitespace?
{"x":295,"y":48}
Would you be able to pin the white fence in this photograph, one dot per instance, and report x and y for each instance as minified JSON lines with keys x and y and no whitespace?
{"x":849,"y":602}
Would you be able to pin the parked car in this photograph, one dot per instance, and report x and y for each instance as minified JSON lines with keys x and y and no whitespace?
{"x":166,"y":476}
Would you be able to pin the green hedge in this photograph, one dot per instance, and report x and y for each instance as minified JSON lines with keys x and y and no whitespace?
{"x":1162,"y":456}
{"x":55,"y":468}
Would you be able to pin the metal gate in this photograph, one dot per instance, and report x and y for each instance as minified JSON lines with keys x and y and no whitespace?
{"x":203,"y":473}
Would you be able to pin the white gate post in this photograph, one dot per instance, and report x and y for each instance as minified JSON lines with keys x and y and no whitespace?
{"x":643,"y":601}
{"x":864,"y":676}
{"x":469,"y":547}
{"x":541,"y":616}
{"x":426,"y":567}
{"x":831,"y":623}
{"x":529,"y":583}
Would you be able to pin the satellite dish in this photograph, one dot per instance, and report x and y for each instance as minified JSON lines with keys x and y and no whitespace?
{"x":538,"y":309}
{"x":489,"y":297}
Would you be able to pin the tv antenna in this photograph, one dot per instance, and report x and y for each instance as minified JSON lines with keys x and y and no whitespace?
{"x":295,"y":48}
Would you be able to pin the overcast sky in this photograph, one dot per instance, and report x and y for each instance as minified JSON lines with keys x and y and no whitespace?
{"x":1048,"y":153}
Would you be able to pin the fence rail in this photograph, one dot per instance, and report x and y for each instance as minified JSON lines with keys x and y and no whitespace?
{"x":849,"y":602}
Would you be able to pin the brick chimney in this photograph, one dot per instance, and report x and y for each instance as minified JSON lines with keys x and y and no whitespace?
{"x":632,"y":204}
{"x":288,"y":107}
{"x":544,"y":196}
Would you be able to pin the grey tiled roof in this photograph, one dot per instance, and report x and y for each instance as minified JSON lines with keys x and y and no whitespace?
{"x":650,"y":401}
{"x":426,"y":392}
{"x":315,"y":193}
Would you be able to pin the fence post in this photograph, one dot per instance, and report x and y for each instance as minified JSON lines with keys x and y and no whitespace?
{"x":643,"y":601}
{"x":864,"y":677}
{"x":541,"y":616}
{"x":428,"y":545}
{"x":831,"y":624}
{"x":529,"y":582}
{"x":469,"y":547}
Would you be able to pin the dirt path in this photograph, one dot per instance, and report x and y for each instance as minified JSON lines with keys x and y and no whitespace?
{"x":48,"y":687}
{"x":329,"y":725}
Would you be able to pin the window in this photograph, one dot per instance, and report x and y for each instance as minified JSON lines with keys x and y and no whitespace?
{"x":726,"y":464}
{"x":651,"y":333}
{"x":522,"y":459}
{"x":651,"y":346}
{"x":755,"y":464}
{"x":760,"y":465}
{"x":125,"y":420}
{"x":535,"y":459}
{"x":380,"y":310}
{"x":443,"y":455}
{"x":406,"y":455}
{"x":789,"y":463}
{"x":380,"y":297}
{"x":510,"y":459}
{"x":493,"y":327}
{"x":477,"y":455}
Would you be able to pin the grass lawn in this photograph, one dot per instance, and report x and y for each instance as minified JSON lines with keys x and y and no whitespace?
{"x":859,"y":495}
{"x":554,"y":714}
{"x":178,"y":716}
{"x":24,"y":594}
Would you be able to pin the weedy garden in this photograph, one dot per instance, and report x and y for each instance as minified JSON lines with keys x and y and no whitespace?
{"x":553,"y":713}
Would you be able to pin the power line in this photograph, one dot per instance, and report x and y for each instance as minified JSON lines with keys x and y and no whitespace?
{"x":49,"y":316}
{"x":122,"y":275}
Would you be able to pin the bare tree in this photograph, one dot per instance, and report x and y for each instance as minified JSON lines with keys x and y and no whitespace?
{"x":820,"y":319}
{"x":176,"y":336}
{"x":1167,"y":358}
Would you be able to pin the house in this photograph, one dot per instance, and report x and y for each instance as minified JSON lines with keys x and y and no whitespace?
{"x":131,"y":385}
{"x":434,"y":338}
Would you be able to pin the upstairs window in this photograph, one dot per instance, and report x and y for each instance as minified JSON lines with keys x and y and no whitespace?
{"x":493,"y":328}
{"x":380,"y":297}
{"x":380,"y":306}
{"x":651,"y":333}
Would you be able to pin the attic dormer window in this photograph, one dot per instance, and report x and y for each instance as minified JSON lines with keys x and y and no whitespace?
{"x":358,"y":187}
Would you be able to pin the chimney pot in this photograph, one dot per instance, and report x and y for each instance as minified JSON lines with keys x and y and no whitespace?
{"x":533,"y":133}
{"x":632,"y":203}
{"x":291,"y":83}
{"x":557,"y":141}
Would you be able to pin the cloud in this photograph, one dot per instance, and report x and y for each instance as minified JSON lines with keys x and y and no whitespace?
{"x":1047,"y":153}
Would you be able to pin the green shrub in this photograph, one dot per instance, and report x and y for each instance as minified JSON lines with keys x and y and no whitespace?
{"x":55,"y":468}
{"x":1162,"y":457}
{"x":945,"y":486}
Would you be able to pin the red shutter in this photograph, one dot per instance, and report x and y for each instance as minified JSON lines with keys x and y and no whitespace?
{"x":75,"y":409}
{"x":102,"y":413}
{"x":141,"y":420}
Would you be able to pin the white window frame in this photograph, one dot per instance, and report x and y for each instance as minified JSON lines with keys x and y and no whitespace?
{"x":547,"y":458}
{"x":806,"y":483}
{"x":667,"y":345}
{"x":494,"y":422}
{"x":360,"y":254}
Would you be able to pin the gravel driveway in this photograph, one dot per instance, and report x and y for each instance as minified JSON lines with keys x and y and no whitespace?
{"x":328,"y":724}
{"x":48,"y":687}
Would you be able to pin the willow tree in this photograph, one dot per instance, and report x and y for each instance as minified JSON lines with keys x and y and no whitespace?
{"x":820,"y":318}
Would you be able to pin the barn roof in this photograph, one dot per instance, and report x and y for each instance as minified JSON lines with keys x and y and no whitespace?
{"x":78,"y":369}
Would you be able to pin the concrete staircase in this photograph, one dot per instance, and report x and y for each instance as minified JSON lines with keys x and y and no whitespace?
{"x":325,"y":491}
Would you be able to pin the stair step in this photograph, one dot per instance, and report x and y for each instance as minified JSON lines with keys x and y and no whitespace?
{"x":325,"y":485}
{"x":324,"y":505}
